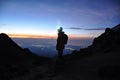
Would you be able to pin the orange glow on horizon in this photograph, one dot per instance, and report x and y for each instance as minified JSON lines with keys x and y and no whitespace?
{"x":30,"y":36}
{"x":47,"y":36}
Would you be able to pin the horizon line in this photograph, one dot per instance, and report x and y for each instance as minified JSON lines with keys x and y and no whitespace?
{"x":38,"y":36}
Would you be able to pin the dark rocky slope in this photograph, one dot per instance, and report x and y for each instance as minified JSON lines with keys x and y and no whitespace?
{"x":109,"y":41}
{"x":16,"y":61}
{"x":99,"y":61}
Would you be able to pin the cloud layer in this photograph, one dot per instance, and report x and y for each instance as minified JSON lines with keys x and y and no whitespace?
{"x":77,"y":28}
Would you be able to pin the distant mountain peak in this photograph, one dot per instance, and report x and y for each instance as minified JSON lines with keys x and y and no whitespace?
{"x":3,"y":35}
{"x":7,"y":42}
{"x":116,"y":28}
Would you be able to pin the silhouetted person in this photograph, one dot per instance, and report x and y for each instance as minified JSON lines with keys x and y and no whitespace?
{"x":61,"y":41}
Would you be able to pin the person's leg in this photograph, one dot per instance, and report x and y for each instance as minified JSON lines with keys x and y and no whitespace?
{"x":60,"y":54}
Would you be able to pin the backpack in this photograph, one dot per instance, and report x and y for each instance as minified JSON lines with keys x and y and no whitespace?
{"x":65,"y":37}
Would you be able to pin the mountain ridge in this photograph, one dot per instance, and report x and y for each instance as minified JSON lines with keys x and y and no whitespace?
{"x":16,"y":61}
{"x":106,"y":42}
{"x":99,"y":61}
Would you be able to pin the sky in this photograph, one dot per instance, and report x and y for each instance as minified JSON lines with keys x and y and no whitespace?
{"x":42,"y":18}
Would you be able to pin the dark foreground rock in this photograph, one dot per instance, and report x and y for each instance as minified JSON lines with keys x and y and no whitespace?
{"x":16,"y":61}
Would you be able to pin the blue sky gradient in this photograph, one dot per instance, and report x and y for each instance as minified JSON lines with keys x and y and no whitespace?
{"x":42,"y":17}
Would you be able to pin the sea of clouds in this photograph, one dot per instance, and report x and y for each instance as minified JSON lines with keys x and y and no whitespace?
{"x":47,"y":47}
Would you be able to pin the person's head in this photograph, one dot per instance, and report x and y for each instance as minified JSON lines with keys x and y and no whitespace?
{"x":60,"y":29}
